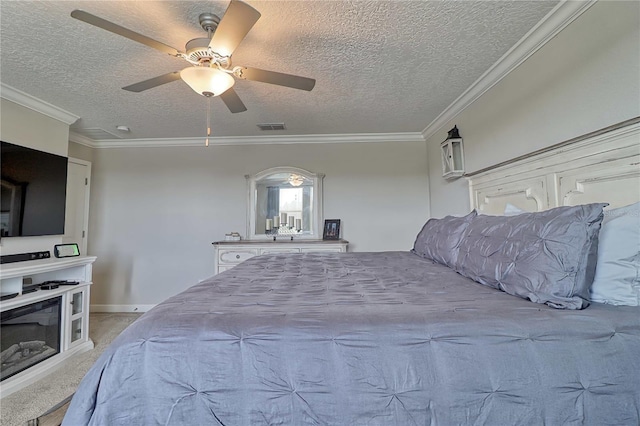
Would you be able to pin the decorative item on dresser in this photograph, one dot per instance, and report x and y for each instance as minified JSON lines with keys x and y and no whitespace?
{"x":331,"y":229}
{"x":231,"y":253}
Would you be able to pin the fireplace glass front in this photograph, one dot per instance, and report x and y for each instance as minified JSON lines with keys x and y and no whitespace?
{"x":30,"y":334}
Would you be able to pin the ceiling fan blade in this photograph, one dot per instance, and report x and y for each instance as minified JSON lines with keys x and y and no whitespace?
{"x":281,"y":79}
{"x":233,"y":27}
{"x":232,"y":101}
{"x":153,"y":82}
{"x":117,"y":29}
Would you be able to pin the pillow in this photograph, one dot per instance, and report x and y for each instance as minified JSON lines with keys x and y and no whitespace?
{"x":546,"y":257}
{"x":511,"y":210}
{"x":438,"y":239}
{"x":617,"y":279}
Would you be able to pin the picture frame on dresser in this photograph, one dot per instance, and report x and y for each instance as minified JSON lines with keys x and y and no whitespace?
{"x":331,"y":229}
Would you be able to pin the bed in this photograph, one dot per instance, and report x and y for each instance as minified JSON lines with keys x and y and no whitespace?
{"x":399,"y":337}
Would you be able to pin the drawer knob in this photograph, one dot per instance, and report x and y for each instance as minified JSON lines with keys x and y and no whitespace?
{"x":237,"y":256}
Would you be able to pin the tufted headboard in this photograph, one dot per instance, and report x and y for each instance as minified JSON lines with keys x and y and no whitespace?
{"x":603,"y":166}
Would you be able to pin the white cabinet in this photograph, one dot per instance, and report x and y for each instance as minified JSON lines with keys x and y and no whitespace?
{"x":230,"y":253}
{"x":73,"y":333}
{"x":77,"y":321}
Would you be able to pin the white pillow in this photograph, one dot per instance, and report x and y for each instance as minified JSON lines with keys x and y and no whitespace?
{"x":511,"y":210}
{"x":617,"y":279}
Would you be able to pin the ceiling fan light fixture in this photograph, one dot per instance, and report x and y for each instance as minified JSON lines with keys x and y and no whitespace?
{"x":207,"y":81}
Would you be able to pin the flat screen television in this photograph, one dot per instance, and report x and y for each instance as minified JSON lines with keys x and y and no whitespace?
{"x":34,"y":190}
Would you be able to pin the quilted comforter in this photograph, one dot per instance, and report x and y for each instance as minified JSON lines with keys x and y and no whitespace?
{"x":363,"y":339}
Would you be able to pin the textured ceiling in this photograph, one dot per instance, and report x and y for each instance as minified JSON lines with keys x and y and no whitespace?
{"x":380,"y":66}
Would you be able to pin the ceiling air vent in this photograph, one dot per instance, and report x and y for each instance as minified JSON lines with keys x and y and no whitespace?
{"x":271,"y":126}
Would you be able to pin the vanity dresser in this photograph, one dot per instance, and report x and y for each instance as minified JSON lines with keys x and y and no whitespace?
{"x":284,"y":215}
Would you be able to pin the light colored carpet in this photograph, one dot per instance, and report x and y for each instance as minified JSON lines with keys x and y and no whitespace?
{"x":34,"y":400}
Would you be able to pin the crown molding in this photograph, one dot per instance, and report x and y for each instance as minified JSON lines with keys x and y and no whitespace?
{"x":249,"y":140}
{"x":555,"y":21}
{"x":21,"y":98}
{"x":81,"y":139}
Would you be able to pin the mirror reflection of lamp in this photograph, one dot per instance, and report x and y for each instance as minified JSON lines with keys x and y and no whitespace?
{"x":295,"y":180}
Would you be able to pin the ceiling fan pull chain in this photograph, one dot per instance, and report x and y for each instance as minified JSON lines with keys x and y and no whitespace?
{"x":206,"y":142}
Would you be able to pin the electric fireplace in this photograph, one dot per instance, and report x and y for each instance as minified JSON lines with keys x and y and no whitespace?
{"x":30,"y":334}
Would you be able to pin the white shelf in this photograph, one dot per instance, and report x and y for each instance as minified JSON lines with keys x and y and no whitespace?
{"x":12,"y":275}
{"x":19,"y":269}
{"x":36,"y":296}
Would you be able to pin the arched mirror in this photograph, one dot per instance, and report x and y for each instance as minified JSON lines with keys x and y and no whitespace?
{"x":284,"y":202}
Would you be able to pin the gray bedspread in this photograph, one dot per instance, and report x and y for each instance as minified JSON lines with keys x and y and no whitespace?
{"x":363,"y":339}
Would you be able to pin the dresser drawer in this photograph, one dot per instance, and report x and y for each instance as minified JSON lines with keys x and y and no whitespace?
{"x":279,"y":250}
{"x":229,"y":254}
{"x":322,"y":250}
{"x":236,"y":256}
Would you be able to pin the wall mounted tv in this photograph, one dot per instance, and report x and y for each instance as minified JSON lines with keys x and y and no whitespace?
{"x":34,"y":190}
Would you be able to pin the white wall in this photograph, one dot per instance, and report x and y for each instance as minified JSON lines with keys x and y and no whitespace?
{"x":585,"y":79}
{"x":156,"y":211}
{"x":25,"y":127}
{"x":80,"y":152}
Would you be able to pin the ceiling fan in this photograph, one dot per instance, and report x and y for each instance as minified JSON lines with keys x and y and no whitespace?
{"x":211,"y":72}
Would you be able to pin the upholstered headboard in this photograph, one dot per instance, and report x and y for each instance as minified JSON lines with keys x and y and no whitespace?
{"x":603,"y":166}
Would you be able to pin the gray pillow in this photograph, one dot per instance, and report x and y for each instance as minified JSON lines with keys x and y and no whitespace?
{"x":439,"y":238}
{"x":546,"y":257}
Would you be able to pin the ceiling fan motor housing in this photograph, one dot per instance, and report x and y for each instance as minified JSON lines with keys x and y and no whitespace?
{"x":209,"y":21}
{"x":198,"y":52}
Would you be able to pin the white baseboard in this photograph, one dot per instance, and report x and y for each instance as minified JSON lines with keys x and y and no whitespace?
{"x":120,"y":308}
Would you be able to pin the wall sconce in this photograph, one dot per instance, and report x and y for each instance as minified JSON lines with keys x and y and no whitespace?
{"x":452,"y":155}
